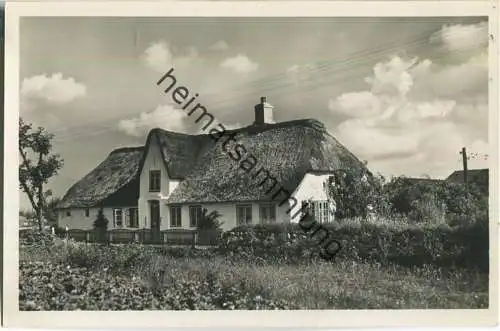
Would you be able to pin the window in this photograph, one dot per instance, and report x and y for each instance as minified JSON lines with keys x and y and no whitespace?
{"x":87,"y":212}
{"x":195,"y":215}
{"x":133,"y":217}
{"x":267,"y":213}
{"x":320,"y":210}
{"x":175,"y":217}
{"x":117,"y":218}
{"x":243,"y":214}
{"x":154,"y":181}
{"x":68,"y":213}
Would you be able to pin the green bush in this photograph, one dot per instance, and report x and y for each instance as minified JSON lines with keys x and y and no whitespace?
{"x":426,"y":200}
{"x":101,"y":226}
{"x":406,"y":244}
{"x":209,"y":221}
{"x":353,"y":190}
{"x":35,"y":237}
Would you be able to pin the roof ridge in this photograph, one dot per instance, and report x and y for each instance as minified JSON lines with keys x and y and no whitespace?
{"x":127,"y":149}
{"x":310,"y":121}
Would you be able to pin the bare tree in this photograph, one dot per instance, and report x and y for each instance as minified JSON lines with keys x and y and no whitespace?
{"x":37,"y":165}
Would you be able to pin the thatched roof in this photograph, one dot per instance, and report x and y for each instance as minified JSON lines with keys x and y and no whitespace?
{"x":116,"y":172}
{"x":180,"y":151}
{"x":287,"y":150}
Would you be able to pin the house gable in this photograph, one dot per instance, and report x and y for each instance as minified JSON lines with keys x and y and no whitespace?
{"x":313,"y":187}
{"x":153,"y":161}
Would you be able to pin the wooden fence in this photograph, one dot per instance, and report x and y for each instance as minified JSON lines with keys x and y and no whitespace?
{"x":146,"y":236}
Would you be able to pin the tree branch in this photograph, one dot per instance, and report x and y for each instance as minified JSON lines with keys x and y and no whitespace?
{"x":40,"y":191}
{"x":24,"y":183}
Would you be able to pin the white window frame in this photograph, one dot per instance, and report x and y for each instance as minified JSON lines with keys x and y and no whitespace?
{"x":242,"y":212}
{"x":176,"y":219}
{"x":197,"y":215}
{"x":117,"y":212}
{"x":267,"y":209}
{"x":321,"y":211}
{"x":87,"y":212}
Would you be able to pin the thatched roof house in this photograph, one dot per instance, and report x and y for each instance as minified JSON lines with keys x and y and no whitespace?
{"x":207,"y":169}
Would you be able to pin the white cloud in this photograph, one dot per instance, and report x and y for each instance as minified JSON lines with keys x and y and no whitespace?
{"x":293,"y":69}
{"x":166,"y":117}
{"x":301,"y":74}
{"x":240,"y":64}
{"x":233,"y":126}
{"x":357,"y":104}
{"x":219,"y":46}
{"x":404,"y":116}
{"x":53,"y":89}
{"x":192,"y":55}
{"x":457,"y":81}
{"x":160,"y":57}
{"x":462,"y":37}
{"x":366,"y":139}
{"x":392,"y":77}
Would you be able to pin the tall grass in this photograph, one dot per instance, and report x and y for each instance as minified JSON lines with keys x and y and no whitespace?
{"x":203,"y":280}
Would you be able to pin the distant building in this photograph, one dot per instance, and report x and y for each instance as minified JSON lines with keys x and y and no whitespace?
{"x":477,"y":177}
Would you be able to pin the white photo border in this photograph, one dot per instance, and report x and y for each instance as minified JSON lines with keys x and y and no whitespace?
{"x":290,"y":318}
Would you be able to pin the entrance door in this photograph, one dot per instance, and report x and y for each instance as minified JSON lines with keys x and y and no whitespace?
{"x":154,"y":212}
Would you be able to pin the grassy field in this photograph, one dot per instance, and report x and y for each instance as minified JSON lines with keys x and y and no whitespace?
{"x":77,"y":276}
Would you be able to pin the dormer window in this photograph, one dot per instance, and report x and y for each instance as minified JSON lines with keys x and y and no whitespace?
{"x":154,"y":181}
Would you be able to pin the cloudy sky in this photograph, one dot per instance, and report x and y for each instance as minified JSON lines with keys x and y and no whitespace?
{"x":404,"y":94}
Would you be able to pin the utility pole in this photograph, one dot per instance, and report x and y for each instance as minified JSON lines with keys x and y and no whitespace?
{"x":464,"y":160}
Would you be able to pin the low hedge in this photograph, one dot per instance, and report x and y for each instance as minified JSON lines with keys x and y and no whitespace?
{"x":405,"y":244}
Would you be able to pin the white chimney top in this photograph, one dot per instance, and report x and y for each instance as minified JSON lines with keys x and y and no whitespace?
{"x":263,"y":112}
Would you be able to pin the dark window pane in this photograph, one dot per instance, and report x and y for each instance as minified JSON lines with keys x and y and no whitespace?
{"x":154,"y":180}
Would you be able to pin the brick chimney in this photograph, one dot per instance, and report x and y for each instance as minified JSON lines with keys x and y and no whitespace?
{"x":263,"y":112}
